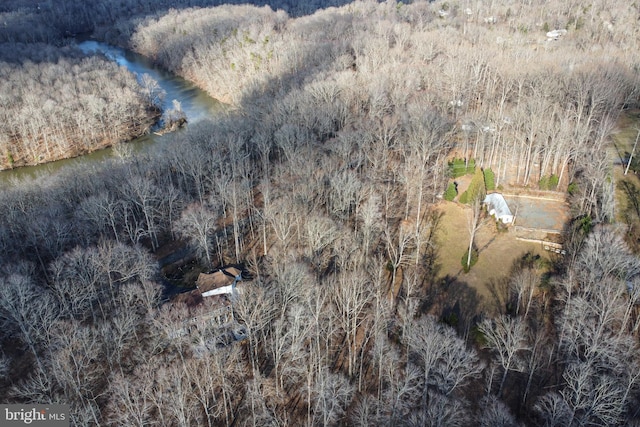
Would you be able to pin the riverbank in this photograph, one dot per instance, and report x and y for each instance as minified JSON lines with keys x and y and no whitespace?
{"x":120,"y":96}
{"x":59,"y":102}
{"x":126,"y":132}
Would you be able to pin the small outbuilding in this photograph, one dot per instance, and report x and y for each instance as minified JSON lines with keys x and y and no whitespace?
{"x":497,"y":207}
{"x":556,"y":34}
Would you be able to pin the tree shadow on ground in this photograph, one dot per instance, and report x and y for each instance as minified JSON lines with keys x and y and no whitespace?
{"x":488,"y":222}
{"x":499,"y":291}
{"x":455,"y":303}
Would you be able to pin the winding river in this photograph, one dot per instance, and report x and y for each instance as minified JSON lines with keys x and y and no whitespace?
{"x":195,"y":103}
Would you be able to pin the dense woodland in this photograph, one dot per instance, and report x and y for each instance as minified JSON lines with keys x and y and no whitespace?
{"x":59,"y":104}
{"x":322,"y":181}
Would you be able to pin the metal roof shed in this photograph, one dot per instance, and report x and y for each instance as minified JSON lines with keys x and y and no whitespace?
{"x":497,"y":206}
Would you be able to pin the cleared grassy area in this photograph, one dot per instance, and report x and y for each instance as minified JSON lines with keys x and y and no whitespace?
{"x":627,"y":188}
{"x":627,"y":195}
{"x":625,"y":134}
{"x":498,"y":251}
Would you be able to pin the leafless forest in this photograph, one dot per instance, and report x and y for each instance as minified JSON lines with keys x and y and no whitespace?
{"x":321,"y":180}
{"x":64,"y":105}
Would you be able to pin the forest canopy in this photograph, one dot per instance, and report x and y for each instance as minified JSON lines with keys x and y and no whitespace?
{"x":322,"y":181}
{"x":60,"y":104}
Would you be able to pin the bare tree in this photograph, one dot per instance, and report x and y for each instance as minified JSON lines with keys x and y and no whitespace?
{"x":38,"y":386}
{"x":320,"y":233}
{"x":633,"y":150}
{"x":446,"y":362}
{"x":144,"y":200}
{"x":592,"y":398}
{"x":130,"y":404}
{"x":370,"y":215}
{"x":604,"y":255}
{"x":364,"y":412}
{"x":102,"y":210}
{"x":428,"y":138}
{"x":197,"y":224}
{"x":29,"y":312}
{"x":404,"y":392}
{"x":151,"y":90}
{"x":48,"y":235}
{"x":236,"y":193}
{"x":495,"y":413}
{"x":183,"y":407}
{"x":256,"y":310}
{"x":78,"y":367}
{"x":351,"y":298}
{"x":344,"y":193}
{"x":332,"y":394}
{"x":537,"y":357}
{"x":76,"y":282}
{"x":506,"y":337}
{"x":424,"y":339}
{"x":553,"y":410}
{"x":524,"y":285}
{"x":458,"y":365}
{"x":206,"y":376}
{"x":282,"y":219}
{"x":254,"y":404}
{"x":440,"y":411}
{"x":473,"y":224}
{"x":397,"y":251}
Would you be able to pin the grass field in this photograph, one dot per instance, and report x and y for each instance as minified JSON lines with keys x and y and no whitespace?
{"x":497,"y":252}
{"x":627,"y":188}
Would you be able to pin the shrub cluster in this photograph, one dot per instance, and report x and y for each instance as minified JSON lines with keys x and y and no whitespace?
{"x":451,"y":192}
{"x":489,"y":179}
{"x":548,"y":182}
{"x":460,"y":167}
{"x":476,"y":188}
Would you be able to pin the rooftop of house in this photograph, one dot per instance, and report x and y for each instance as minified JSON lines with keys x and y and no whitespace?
{"x":499,"y":204}
{"x":194,"y":298}
{"x":217,"y":279}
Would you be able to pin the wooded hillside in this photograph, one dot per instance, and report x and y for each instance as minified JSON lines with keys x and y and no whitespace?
{"x":526,"y":105}
{"x":60,"y":104}
{"x":323,"y":181}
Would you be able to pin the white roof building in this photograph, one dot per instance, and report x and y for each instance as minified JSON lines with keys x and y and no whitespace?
{"x":220,"y":282}
{"x":556,"y":34}
{"x":497,"y":206}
